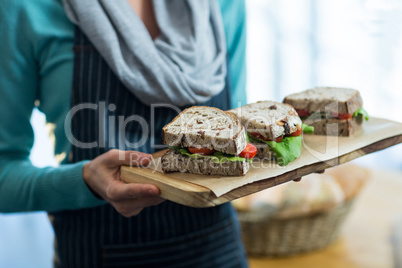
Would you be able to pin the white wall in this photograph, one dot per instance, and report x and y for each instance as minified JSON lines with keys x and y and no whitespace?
{"x":294,"y":45}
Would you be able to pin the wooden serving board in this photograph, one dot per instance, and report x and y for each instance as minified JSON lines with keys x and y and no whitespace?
{"x":207,"y":191}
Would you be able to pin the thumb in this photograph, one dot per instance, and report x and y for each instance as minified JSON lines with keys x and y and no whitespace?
{"x":128,"y":158}
{"x":136,"y":159}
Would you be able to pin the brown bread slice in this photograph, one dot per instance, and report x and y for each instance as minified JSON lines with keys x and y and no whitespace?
{"x":264,"y":151}
{"x":336,"y":127}
{"x":268,"y":118}
{"x":173,"y":161}
{"x":207,"y":127}
{"x":330,"y":99}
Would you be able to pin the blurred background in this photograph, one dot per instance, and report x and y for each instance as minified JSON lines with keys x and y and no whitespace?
{"x":292,"y":45}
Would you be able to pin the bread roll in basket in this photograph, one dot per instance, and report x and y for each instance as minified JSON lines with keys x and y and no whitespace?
{"x":300,"y":216}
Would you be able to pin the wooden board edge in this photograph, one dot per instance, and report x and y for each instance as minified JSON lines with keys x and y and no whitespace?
{"x":131,"y":174}
{"x":303,"y":171}
{"x":201,"y":197}
{"x":191,"y":195}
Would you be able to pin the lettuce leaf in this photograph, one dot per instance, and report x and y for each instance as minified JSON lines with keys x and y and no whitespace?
{"x":216,"y":157}
{"x":251,"y":138}
{"x":307,"y":129}
{"x":285,"y":151}
{"x":363,"y":112}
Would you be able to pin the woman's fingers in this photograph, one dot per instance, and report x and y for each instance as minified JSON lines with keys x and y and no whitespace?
{"x":118,"y":190}
{"x":319,"y":172}
{"x":130,"y":199}
{"x":137,"y":159}
{"x":102,"y":175}
{"x":131,"y":207}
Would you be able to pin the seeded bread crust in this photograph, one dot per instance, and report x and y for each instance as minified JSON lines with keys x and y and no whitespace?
{"x":207,"y":127}
{"x":330,"y":99}
{"x":336,"y":127}
{"x":173,"y":161}
{"x":268,"y":118}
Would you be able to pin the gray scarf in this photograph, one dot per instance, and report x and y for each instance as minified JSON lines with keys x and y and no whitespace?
{"x":186,"y":64}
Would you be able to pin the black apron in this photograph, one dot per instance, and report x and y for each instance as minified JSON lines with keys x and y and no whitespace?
{"x":166,"y":235}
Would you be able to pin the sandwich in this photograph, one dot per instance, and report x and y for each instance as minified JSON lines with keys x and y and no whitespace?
{"x":208,"y":141}
{"x":274,"y":128}
{"x":331,"y":111}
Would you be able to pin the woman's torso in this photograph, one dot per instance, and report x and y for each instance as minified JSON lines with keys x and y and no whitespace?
{"x":89,"y":235}
{"x":51,"y":35}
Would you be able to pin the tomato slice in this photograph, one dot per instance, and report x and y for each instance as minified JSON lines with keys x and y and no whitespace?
{"x":278,"y":139}
{"x":249,"y":152}
{"x":341,"y":116}
{"x":302,"y":112}
{"x":298,"y":132}
{"x":258,"y":135}
{"x":203,"y":151}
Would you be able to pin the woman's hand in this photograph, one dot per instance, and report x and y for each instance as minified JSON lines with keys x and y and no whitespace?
{"x":318,"y":172}
{"x":102,"y":175}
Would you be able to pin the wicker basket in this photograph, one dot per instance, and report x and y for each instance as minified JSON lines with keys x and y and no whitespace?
{"x":267,"y":236}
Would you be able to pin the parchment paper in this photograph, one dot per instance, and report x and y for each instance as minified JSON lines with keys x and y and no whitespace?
{"x":315,"y":149}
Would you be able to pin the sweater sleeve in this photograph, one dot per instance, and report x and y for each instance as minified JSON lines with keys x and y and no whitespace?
{"x":24,"y":187}
{"x":234,"y":22}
